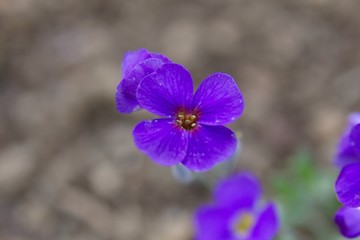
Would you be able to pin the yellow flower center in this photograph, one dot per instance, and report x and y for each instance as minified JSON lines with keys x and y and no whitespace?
{"x":244,"y":223}
{"x":186,"y":121}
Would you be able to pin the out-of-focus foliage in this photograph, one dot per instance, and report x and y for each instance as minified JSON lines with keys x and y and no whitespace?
{"x":306,"y":199}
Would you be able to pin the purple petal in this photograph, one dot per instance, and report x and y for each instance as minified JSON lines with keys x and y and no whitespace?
{"x":126,"y":101}
{"x":267,"y":225}
{"x":242,"y":190}
{"x":162,"y":140}
{"x":218,"y":100}
{"x":212,"y":223}
{"x":348,"y":221}
{"x":347,"y":186}
{"x":166,"y":91}
{"x":348,"y":148}
{"x":131,"y":58}
{"x":209,"y":145}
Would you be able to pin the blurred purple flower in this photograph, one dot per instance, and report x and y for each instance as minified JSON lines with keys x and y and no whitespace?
{"x":235,"y":214}
{"x":347,"y":186}
{"x":190,"y":131}
{"x":348,"y":221}
{"x":136,"y":65}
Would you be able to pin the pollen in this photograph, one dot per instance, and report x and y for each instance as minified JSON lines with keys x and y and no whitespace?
{"x":244,"y":223}
{"x":186,"y":121}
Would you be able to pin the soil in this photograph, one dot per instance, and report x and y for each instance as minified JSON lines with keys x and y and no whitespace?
{"x":68,"y":165}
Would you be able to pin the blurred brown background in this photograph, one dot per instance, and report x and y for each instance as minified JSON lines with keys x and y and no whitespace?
{"x":68,"y":165}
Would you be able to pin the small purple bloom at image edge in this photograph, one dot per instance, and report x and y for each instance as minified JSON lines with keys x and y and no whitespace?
{"x":194,"y":134}
{"x":347,"y":185}
{"x":235,"y":212}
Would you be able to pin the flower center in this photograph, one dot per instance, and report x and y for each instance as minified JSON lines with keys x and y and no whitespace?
{"x":243,"y":224}
{"x":186,"y":121}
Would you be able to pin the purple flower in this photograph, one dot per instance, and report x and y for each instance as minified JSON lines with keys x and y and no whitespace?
{"x":136,"y":65}
{"x":347,"y":186}
{"x":190,"y":130}
{"x":348,"y":221}
{"x":235,"y":213}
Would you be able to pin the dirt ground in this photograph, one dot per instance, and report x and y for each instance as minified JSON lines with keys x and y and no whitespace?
{"x":68,"y":165}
